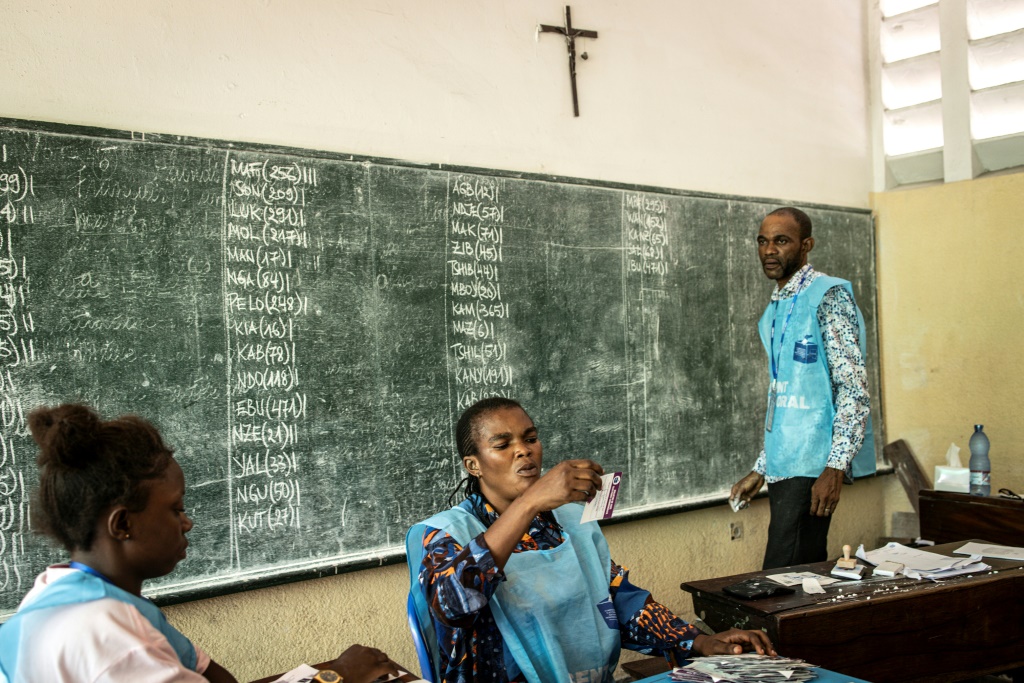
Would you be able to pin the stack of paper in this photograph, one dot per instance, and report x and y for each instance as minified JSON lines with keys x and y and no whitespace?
{"x":1000,"y":552}
{"x":746,"y":668}
{"x":304,"y":673}
{"x":921,"y":564}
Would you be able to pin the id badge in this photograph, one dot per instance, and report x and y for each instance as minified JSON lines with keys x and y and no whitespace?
{"x":769,"y":416}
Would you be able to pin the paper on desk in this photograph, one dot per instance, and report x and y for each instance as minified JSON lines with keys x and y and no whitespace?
{"x":602,"y":504}
{"x":745,"y":668}
{"x":812,"y":586}
{"x":304,"y":673}
{"x":921,"y":564}
{"x":1002,"y":552}
{"x":797,"y":578}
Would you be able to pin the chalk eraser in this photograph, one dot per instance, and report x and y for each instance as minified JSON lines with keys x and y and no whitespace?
{"x":888,"y":569}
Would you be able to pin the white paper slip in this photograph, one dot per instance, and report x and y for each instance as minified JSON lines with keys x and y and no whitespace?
{"x":303,"y":673}
{"x":1000,"y":552}
{"x":797,"y":578}
{"x":811,"y":586}
{"x":602,"y":504}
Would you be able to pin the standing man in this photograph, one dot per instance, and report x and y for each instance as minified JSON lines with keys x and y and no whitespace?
{"x":817,"y":426}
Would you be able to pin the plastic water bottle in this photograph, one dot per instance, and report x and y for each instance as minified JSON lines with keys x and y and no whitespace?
{"x":981,"y":469}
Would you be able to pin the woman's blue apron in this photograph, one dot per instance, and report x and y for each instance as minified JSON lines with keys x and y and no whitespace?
{"x":553,"y":610}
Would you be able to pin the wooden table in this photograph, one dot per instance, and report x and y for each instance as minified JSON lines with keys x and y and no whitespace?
{"x":891,"y":630}
{"x":948,"y":517}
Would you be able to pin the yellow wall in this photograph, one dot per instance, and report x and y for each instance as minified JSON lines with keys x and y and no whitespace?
{"x":259,"y":632}
{"x":951,"y":316}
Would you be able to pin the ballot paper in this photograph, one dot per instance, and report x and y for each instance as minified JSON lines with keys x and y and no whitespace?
{"x":304,"y":673}
{"x":745,"y":668}
{"x":1000,"y":552}
{"x":797,"y":578}
{"x":921,"y":564}
{"x":602,"y":504}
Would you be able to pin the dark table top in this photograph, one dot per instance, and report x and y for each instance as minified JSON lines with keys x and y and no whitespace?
{"x":846,"y":591}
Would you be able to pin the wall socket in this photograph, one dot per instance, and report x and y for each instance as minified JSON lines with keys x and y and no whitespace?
{"x":735,"y":531}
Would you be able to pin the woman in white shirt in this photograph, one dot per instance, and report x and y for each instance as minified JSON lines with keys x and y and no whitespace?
{"x":112,"y":494}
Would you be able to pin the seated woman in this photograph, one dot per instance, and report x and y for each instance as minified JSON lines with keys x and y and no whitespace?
{"x":511,"y":587}
{"x":112,"y":494}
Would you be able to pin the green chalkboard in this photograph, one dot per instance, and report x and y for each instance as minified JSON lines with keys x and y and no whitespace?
{"x":305,"y":328}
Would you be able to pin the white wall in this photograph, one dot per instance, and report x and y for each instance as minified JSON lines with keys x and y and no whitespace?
{"x":751,"y":97}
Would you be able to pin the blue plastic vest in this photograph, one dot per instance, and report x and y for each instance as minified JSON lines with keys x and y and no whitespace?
{"x":549,"y":608}
{"x":801,"y":435}
{"x":75,"y":588}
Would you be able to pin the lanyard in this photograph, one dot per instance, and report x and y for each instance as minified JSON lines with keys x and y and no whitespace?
{"x":785,"y":324}
{"x":88,"y":570}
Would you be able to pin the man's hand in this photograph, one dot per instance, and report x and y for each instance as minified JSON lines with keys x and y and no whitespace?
{"x":825,"y":492}
{"x":747,"y":487}
{"x":733,"y":642}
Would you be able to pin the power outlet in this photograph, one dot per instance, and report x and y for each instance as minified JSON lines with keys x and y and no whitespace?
{"x":735,"y":531}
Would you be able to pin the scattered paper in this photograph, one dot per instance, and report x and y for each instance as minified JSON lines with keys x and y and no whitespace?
{"x":921,"y":564}
{"x":812,"y":587}
{"x":745,"y":668}
{"x":797,"y":578}
{"x":304,"y":673}
{"x":1000,"y":552}
{"x":602,"y":504}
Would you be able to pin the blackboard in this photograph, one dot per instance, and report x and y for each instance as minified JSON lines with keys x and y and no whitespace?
{"x":305,"y":327}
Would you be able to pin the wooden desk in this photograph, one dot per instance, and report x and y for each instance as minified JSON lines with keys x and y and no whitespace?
{"x":948,"y":517}
{"x":889,"y":631}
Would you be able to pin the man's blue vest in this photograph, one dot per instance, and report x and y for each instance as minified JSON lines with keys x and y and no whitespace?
{"x":800,"y":438}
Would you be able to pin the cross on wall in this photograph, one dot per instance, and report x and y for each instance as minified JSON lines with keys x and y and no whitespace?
{"x":571,"y":34}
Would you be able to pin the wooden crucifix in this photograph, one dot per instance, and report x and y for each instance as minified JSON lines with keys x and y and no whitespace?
{"x":571,"y":34}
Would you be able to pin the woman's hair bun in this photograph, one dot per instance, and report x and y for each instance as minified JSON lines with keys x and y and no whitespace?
{"x":66,"y":434}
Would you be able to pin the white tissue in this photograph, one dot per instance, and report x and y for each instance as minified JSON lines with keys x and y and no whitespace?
{"x":953,"y":456}
{"x":952,"y":476}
